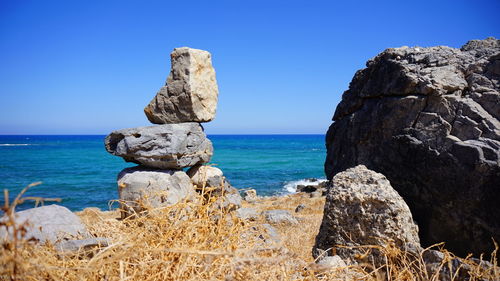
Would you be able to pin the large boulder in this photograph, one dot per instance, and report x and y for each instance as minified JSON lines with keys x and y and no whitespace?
{"x":190,"y":93}
{"x":52,"y":223}
{"x":363,"y":209}
{"x":428,"y":119}
{"x":170,"y":146}
{"x":141,"y":188}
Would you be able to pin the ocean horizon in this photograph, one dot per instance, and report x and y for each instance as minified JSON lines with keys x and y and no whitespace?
{"x":78,"y":170}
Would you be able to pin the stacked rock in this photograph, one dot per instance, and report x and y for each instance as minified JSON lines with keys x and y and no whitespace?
{"x":162,"y":151}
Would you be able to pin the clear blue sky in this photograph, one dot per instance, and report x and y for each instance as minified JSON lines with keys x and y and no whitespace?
{"x":90,"y":67}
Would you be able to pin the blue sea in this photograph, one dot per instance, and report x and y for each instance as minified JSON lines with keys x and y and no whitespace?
{"x":78,"y":169}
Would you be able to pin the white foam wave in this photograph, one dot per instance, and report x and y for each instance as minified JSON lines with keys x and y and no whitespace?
{"x":291,"y":186}
{"x":15,"y":144}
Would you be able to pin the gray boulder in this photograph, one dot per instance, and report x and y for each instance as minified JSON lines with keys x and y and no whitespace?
{"x":52,"y":223}
{"x":428,"y":119}
{"x":190,"y":93}
{"x":279,"y":217}
{"x":170,"y":146}
{"x":363,"y":209}
{"x":140,"y":188}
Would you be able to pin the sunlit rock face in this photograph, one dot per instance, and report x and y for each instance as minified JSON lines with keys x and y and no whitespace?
{"x":428,"y":119}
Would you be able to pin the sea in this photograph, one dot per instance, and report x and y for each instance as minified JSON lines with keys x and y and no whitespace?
{"x":77,"y":169}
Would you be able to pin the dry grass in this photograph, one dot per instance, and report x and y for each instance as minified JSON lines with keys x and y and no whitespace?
{"x":194,"y":241}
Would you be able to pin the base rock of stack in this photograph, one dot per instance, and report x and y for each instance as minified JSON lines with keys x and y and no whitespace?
{"x":140,"y":188}
{"x":363,"y":209}
{"x":429,"y":120}
{"x":170,"y":146}
{"x":191,"y":92}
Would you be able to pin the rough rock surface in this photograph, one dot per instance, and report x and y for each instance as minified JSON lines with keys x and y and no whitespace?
{"x":206,"y":176}
{"x":279,"y":217}
{"x":247,"y":214}
{"x":212,"y":181}
{"x":363,"y":209}
{"x":190,"y":93}
{"x":140,"y":188}
{"x":170,"y":146}
{"x":428,"y":119}
{"x":51,"y":223}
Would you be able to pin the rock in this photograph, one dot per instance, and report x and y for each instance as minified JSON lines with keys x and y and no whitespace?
{"x":171,"y":146}
{"x":331,"y":262}
{"x":82,"y":244}
{"x":250,"y":195}
{"x":270,"y":234}
{"x":306,"y":188}
{"x":190,"y":93}
{"x":140,"y":188}
{"x":250,"y":214}
{"x":212,"y":182}
{"x":299,"y":208}
{"x":316,"y":194}
{"x":279,"y":217}
{"x":428,"y":119}
{"x":206,"y":176}
{"x":52,"y":223}
{"x":230,"y":200}
{"x":363,"y":209}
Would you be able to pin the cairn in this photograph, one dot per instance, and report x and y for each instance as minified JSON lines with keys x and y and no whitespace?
{"x":178,"y":141}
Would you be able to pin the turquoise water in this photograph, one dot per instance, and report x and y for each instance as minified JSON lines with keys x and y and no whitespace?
{"x":78,"y":169}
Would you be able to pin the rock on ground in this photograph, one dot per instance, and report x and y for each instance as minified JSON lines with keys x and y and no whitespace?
{"x":428,"y":119}
{"x":247,"y":214}
{"x":140,"y":188}
{"x":363,"y":209}
{"x":190,"y":93}
{"x":52,"y":223}
{"x":206,"y":176}
{"x":212,"y":181}
{"x":279,"y":217}
{"x":170,"y":146}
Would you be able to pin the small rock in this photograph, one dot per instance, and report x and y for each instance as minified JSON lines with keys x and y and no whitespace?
{"x":51,"y":223}
{"x":82,"y":244}
{"x":206,"y":176}
{"x":300,"y":207}
{"x":316,"y":194}
{"x":250,"y":195}
{"x":279,"y":217}
{"x":247,"y":214}
{"x":332,"y":261}
{"x":306,"y":188}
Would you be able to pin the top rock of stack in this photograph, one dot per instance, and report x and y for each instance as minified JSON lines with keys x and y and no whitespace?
{"x":190,"y":93}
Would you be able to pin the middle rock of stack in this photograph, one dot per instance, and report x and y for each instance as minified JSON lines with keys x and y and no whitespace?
{"x":189,"y":96}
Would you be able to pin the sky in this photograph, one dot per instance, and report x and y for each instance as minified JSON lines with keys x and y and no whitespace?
{"x":90,"y":67}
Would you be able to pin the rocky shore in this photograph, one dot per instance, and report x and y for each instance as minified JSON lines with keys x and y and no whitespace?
{"x":413,"y":160}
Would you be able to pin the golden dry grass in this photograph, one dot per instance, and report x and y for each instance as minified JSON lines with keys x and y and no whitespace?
{"x":194,"y":241}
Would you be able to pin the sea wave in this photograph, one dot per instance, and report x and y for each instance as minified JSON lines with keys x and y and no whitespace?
{"x":15,"y":144}
{"x":291,"y":186}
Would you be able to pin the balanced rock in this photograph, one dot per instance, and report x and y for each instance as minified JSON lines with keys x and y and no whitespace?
{"x":363,"y":209}
{"x":190,"y":93}
{"x":140,"y":188}
{"x":429,"y":120}
{"x":52,"y":223}
{"x":169,"y":146}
